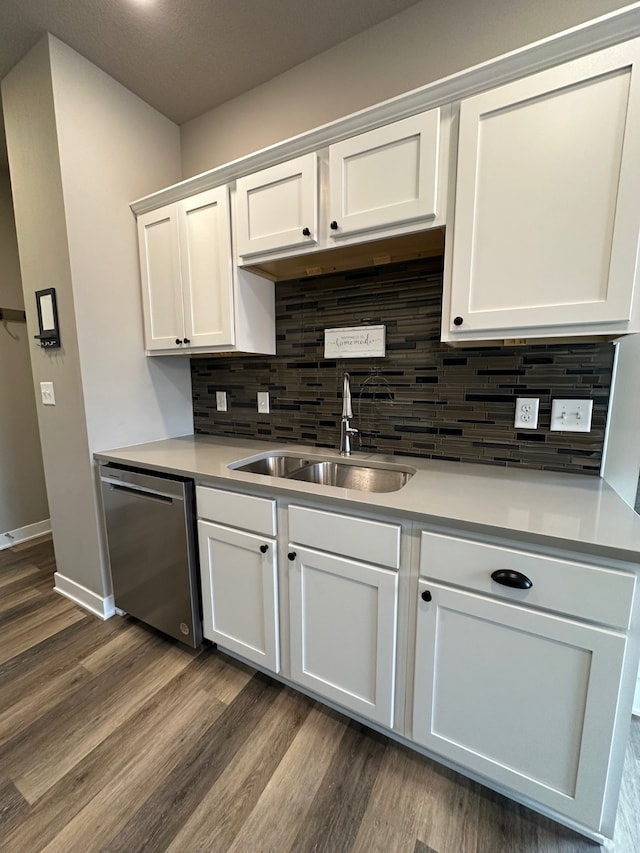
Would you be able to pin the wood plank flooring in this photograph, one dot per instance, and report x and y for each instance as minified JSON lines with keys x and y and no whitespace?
{"x":113,"y":738}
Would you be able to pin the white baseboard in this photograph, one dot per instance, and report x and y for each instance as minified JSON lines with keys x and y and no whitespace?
{"x":96,"y":604}
{"x":23,"y":534}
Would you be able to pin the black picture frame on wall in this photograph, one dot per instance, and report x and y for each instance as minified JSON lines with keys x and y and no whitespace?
{"x":47,"y":308}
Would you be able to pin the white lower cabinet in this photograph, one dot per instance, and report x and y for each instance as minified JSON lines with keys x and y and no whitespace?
{"x":343,"y":631}
{"x":239,"y":592}
{"x":524,"y":698}
{"x":524,"y":662}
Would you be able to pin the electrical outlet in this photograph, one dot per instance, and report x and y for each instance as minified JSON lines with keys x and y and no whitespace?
{"x":263,"y":402}
{"x":221,"y":401}
{"x":47,"y":393}
{"x":526,"y":416}
{"x":571,"y":415}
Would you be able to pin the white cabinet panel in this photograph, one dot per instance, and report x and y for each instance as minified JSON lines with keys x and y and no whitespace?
{"x":525,"y":699}
{"x":386,"y":176}
{"x":546,"y":222}
{"x":239,"y":592}
{"x":383,"y":183}
{"x":278,"y":206}
{"x":360,"y":538}
{"x":343,"y":631}
{"x":205,"y":243}
{"x":160,"y":274}
{"x":237,"y":509}
{"x":566,"y":586}
{"x":193,"y":299}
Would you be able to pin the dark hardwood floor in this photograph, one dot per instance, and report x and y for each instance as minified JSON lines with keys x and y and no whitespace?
{"x":113,"y":738}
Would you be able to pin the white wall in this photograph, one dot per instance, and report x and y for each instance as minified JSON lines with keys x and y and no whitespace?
{"x":114,"y":149}
{"x":81,"y":147}
{"x":622,"y":446}
{"x":426,"y":42}
{"x":23,"y":498}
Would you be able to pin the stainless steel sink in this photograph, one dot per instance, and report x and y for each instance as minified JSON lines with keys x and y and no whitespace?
{"x":358,"y":475}
{"x":352,"y":476}
{"x":273,"y":466}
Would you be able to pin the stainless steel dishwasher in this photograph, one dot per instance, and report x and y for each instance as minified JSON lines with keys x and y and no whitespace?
{"x":151,"y":539}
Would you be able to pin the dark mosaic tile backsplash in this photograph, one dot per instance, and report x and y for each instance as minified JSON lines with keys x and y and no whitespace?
{"x":423,"y":399}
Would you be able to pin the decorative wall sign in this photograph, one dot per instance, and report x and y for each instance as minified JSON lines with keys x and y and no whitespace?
{"x":355,"y":342}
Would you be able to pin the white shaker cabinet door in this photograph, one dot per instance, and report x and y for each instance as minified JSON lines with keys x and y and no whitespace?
{"x":278,"y":207}
{"x":160,"y":276}
{"x":525,"y":699}
{"x":547,"y":210}
{"x":239,"y":592}
{"x":343,"y":631}
{"x":206,"y":267}
{"x":385,"y":177}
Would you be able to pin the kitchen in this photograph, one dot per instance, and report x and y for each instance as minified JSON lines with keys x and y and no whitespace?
{"x":156,"y":398}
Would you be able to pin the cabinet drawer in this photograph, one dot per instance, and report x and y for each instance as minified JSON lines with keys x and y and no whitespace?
{"x":359,"y":538}
{"x":597,"y":594}
{"x":237,"y":510}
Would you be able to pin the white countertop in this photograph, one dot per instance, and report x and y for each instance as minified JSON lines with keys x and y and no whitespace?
{"x":570,"y":511}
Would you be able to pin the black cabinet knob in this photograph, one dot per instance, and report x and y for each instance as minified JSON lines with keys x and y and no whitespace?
{"x":508,"y":577}
{"x":178,"y":341}
{"x":426,"y":595}
{"x":306,"y":232}
{"x":264,"y":549}
{"x":186,"y":341}
{"x":458,"y":321}
{"x":292,"y":555}
{"x":333,"y":225}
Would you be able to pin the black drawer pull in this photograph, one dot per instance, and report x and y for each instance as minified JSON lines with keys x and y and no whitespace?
{"x":264,"y":549}
{"x":507,"y":577}
{"x":426,"y":595}
{"x":292,"y":555}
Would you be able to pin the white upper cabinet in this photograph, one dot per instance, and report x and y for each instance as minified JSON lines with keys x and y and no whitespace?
{"x":205,"y":264}
{"x":160,"y":275}
{"x":278,"y":207}
{"x":193,"y":300}
{"x":547,"y":209}
{"x":185,"y":266}
{"x":386,"y":177}
{"x":382,"y":183}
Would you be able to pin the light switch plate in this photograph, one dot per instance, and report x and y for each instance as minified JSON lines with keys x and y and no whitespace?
{"x":221,"y":401}
{"x":263,"y":402}
{"x":47,"y":393}
{"x":571,"y":415}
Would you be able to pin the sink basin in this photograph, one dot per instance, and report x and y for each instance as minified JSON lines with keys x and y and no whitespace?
{"x":346,"y":475}
{"x":273,"y":466}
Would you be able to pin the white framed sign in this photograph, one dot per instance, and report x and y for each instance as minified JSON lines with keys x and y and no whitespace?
{"x":355,"y":342}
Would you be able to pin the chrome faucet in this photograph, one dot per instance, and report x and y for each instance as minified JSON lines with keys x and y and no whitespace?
{"x":346,"y":430}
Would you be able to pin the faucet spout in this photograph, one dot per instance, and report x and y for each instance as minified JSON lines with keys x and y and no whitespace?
{"x":347,"y":411}
{"x":346,"y":430}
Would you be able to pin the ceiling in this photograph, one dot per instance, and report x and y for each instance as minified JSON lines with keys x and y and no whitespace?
{"x":187,"y":57}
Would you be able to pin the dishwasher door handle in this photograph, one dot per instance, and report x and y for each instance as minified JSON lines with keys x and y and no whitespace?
{"x":140,"y":491}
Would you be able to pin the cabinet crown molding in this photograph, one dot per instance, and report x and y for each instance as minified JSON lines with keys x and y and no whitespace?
{"x":605,"y":31}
